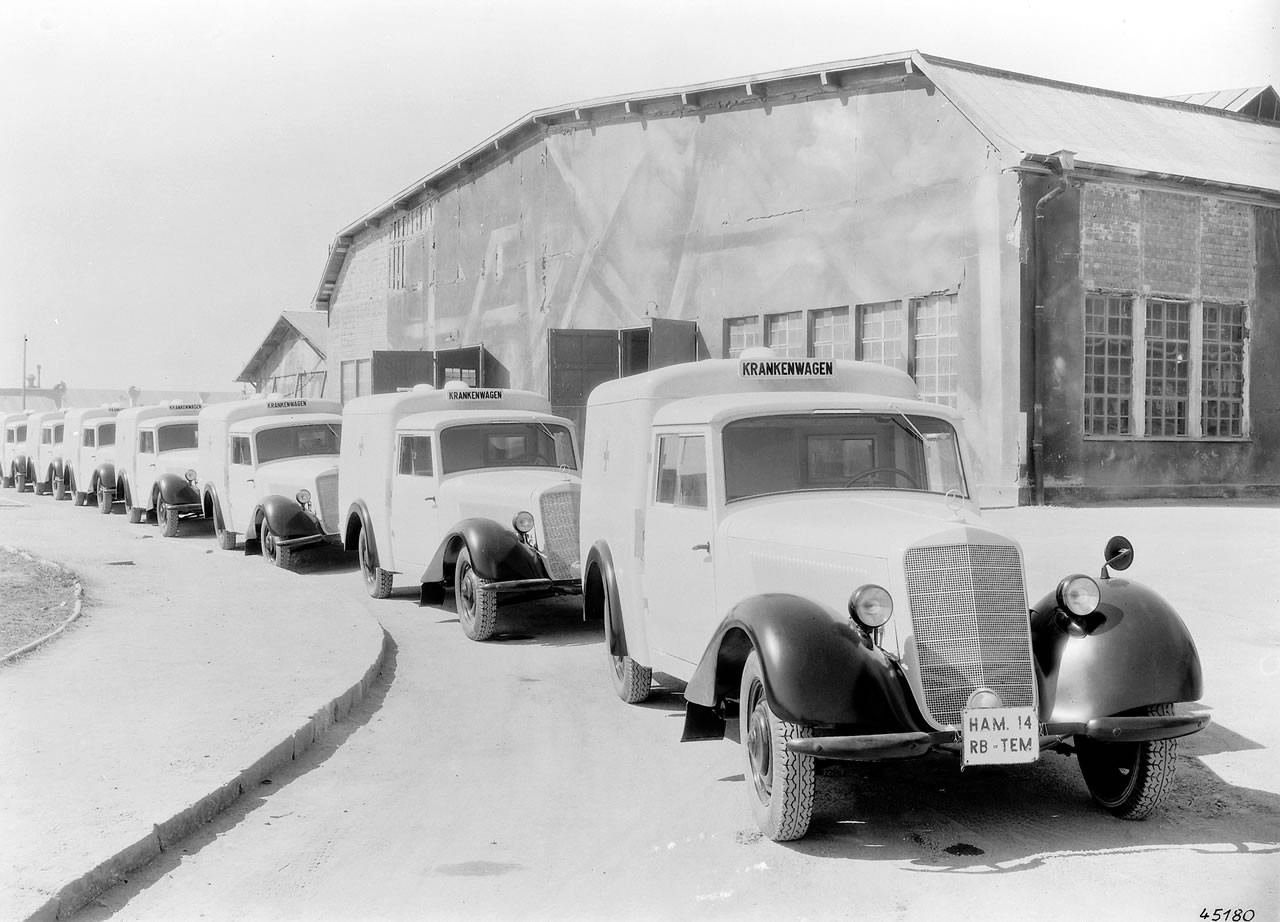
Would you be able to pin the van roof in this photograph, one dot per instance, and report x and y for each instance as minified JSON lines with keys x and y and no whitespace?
{"x":454,"y":398}
{"x":758,"y":372}
{"x":254,"y":424}
{"x":265,"y":405}
{"x":82,"y":415}
{"x":439,"y":418}
{"x":721,"y":408}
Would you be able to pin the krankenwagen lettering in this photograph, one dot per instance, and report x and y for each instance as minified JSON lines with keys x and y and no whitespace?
{"x":278,"y":404}
{"x":490,"y":394}
{"x":788,"y":368}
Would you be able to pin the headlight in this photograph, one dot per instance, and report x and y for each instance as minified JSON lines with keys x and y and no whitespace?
{"x":303,"y":497}
{"x":523,"y":522}
{"x":1079,"y":595}
{"x":191,"y":476}
{"x":871,"y":606}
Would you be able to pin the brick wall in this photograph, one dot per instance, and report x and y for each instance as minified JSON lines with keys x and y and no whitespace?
{"x":1110,"y":246}
{"x":1226,"y":251}
{"x":1170,"y":235}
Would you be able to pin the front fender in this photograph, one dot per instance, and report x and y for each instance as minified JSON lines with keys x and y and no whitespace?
{"x":816,"y":671}
{"x":358,"y":514}
{"x":1137,"y":652}
{"x":105,"y":476}
{"x":497,"y":553}
{"x":176,"y":490}
{"x":286,"y":518}
{"x":600,"y":585}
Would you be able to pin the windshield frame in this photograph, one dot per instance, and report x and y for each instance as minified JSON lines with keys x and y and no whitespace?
{"x":334,"y":427}
{"x":491,"y":428}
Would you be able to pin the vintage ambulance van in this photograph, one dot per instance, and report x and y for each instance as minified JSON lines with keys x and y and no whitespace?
{"x":473,"y":487}
{"x":46,"y":453}
{"x":797,"y":540}
{"x":15,"y":462}
{"x":156,"y":450}
{"x":89,"y":439}
{"x":269,"y":471}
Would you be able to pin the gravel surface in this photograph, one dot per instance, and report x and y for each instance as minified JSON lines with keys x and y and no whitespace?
{"x":35,"y":597}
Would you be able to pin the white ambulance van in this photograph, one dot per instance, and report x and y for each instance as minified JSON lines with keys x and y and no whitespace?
{"x":15,"y":461}
{"x":46,"y":467}
{"x":474,"y":487}
{"x":156,"y":449}
{"x":269,"y":471}
{"x":797,"y":540}
{"x":89,"y":439}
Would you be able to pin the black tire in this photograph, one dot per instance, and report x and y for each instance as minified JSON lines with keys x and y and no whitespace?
{"x":1130,"y":780}
{"x":78,"y":496}
{"x":167,"y":519}
{"x":377,"y":581}
{"x":38,"y":488}
{"x":20,"y":481}
{"x":272,"y":552}
{"x":476,"y":600}
{"x":226,"y":539}
{"x":779,"y":782}
{"x":104,"y":502}
{"x":59,"y":488}
{"x":631,"y":682}
{"x":135,"y":514}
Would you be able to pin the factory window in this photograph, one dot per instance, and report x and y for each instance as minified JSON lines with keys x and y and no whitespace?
{"x":741,"y":333}
{"x":935,"y":348}
{"x":355,"y":379}
{"x":882,"y":334}
{"x":784,"y":334}
{"x":1191,"y":377}
{"x":829,"y":333}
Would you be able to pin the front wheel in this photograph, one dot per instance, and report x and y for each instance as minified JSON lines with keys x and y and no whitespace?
{"x":631,"y":681}
{"x":1130,"y":780}
{"x":377,"y":581}
{"x":476,"y":600}
{"x":272,"y":551}
{"x":779,"y":782}
{"x":167,"y":519}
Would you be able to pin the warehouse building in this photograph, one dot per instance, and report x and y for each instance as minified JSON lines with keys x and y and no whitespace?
{"x":1092,"y":278}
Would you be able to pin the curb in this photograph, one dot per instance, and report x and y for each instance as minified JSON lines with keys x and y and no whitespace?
{"x":78,"y":594}
{"x":79,"y":893}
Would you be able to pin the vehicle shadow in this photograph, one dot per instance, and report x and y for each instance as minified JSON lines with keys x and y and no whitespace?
{"x":998,"y":820}
{"x":554,"y":621}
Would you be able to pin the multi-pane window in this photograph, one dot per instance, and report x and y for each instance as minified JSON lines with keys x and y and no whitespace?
{"x":882,"y":333}
{"x":935,"y":341}
{"x":1108,"y":364}
{"x":829,"y":333}
{"x":1191,"y":376}
{"x":741,"y":333}
{"x":784,"y":334}
{"x":459,"y":373}
{"x":402,"y":228}
{"x":355,"y":378}
{"x":1222,"y":370}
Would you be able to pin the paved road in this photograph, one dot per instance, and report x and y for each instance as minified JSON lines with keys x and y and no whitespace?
{"x":503,"y":780}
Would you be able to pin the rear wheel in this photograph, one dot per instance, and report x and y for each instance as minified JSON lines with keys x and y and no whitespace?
{"x":20,"y":480}
{"x":631,"y":682}
{"x":167,"y":519}
{"x":59,"y":487}
{"x":476,"y":600}
{"x":377,"y":581}
{"x":1130,"y":780}
{"x":78,"y":496}
{"x":105,"y":501}
{"x":226,"y":539}
{"x":272,"y":551}
{"x":779,"y":782}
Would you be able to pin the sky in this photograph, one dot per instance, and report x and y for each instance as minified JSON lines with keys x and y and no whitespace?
{"x":172,"y":174}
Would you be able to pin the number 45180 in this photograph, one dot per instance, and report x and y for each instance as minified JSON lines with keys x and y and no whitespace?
{"x":1227,"y":915}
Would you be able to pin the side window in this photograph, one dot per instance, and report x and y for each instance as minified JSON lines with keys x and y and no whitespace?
{"x":46,"y":436}
{"x":147,"y":443}
{"x":89,"y":441}
{"x":240,"y":450}
{"x":682,"y":471}
{"x":57,"y":434}
{"x":415,"y":455}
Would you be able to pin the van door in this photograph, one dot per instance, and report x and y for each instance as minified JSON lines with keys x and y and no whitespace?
{"x":238,"y":503}
{"x":415,"y":513}
{"x":679,"y":570}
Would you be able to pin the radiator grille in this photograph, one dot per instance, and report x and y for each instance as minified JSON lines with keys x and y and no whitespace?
{"x":327,"y":500}
{"x":969,"y":613}
{"x":559,"y":507}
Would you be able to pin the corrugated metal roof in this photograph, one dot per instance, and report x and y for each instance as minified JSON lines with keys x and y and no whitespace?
{"x":1231,"y":100}
{"x":312,"y":326}
{"x":1023,"y":115}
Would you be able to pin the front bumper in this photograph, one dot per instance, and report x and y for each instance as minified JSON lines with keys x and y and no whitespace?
{"x":309,"y":540}
{"x":883,"y":746}
{"x":567,"y":586}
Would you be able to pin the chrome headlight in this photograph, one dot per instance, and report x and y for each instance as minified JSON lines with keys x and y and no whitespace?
{"x":1079,"y":595}
{"x":303,"y":497}
{"x":191,"y":476}
{"x":522,"y":522}
{"x":871,"y":606}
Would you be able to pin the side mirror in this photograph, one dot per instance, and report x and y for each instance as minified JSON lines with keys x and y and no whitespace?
{"x":1118,"y":555}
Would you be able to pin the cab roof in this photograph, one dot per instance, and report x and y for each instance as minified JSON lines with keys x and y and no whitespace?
{"x":452,"y":399}
{"x":46,"y":417}
{"x":722,"y":408}
{"x":84,"y":415}
{"x":254,"y":424}
{"x":757,"y":372}
{"x":154,"y":411}
{"x":267,"y":405}
{"x":440,"y":419}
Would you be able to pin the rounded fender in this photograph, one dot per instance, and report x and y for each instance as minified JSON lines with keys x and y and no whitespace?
{"x":497,"y":553}
{"x":1137,"y":652}
{"x":599,"y":584}
{"x":358,"y":515}
{"x":105,"y":476}
{"x":286,"y":518}
{"x":816,"y":670}
{"x":176,"y":490}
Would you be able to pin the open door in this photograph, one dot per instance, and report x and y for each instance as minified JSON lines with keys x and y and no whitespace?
{"x":392,"y":371}
{"x":672,"y":342}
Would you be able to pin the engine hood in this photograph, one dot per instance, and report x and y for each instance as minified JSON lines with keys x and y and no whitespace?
{"x":866,"y":526}
{"x":289,"y":475}
{"x":500,"y":494}
{"x":178,"y":461}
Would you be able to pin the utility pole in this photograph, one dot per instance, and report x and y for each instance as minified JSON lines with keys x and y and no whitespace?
{"x":24,"y":371}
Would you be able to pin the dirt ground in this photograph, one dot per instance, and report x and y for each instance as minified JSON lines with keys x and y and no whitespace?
{"x":35,"y":597}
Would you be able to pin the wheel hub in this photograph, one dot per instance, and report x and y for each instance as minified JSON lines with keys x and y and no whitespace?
{"x":760,"y":751}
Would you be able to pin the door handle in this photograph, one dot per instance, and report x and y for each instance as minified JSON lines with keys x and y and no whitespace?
{"x":428,"y":499}
{"x":250,"y":480}
{"x":702,"y":547}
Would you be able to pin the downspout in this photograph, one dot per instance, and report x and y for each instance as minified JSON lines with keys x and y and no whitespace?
{"x":1061,"y":162}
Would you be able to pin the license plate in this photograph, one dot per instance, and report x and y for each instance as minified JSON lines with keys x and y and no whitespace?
{"x":999,"y":736}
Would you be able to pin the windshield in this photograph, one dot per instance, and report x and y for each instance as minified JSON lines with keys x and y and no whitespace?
{"x":298,"y":441}
{"x":107,"y":434}
{"x":468,"y":448}
{"x":890,"y":451}
{"x":179,"y":435}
